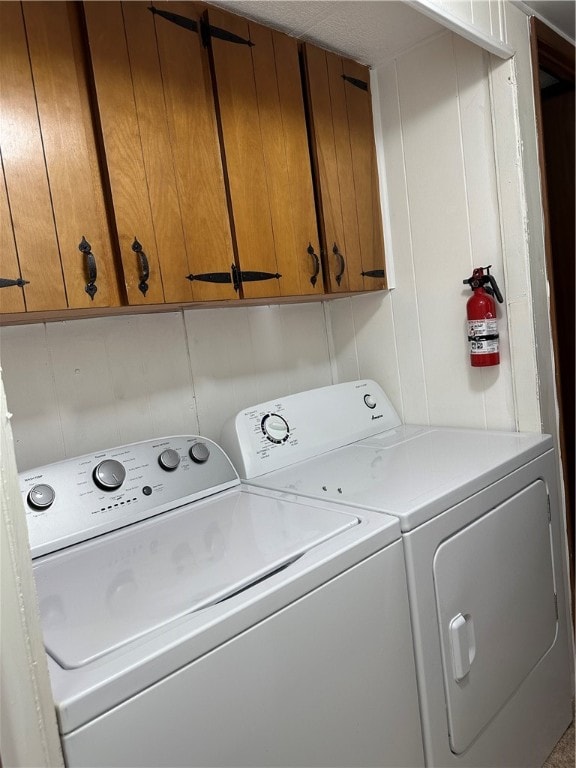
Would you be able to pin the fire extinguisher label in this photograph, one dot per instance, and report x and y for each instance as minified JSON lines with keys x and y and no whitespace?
{"x":483,"y":336}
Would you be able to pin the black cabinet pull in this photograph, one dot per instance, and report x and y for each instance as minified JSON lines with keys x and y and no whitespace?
{"x":143,"y":266}
{"x":6,"y":282}
{"x":373,"y":273}
{"x":342,"y":263}
{"x":316,"y":261}
{"x":91,"y":269}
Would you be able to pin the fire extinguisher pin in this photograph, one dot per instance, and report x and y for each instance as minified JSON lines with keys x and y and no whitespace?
{"x":487,"y":281}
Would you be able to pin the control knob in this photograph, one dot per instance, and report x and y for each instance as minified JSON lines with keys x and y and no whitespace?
{"x":370,"y":401}
{"x":199,"y":453}
{"x":275,"y":428}
{"x":169,"y":459}
{"x":41,"y":496}
{"x":109,"y":475}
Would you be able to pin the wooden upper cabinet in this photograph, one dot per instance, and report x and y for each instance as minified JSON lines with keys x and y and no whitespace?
{"x":161,"y":144}
{"x":11,"y":296}
{"x":346,"y":173}
{"x":267,"y":158}
{"x":51,"y":197}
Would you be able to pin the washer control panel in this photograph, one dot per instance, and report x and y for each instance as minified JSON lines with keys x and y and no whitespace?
{"x":76,"y":499}
{"x":281,"y":432}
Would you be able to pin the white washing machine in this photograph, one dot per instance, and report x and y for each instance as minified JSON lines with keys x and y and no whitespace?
{"x":192,"y":621}
{"x":484,"y":543}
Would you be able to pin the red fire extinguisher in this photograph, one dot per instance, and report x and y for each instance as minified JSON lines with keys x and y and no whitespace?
{"x":482,"y":322}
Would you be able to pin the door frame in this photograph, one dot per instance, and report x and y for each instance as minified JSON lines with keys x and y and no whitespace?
{"x":556,"y":54}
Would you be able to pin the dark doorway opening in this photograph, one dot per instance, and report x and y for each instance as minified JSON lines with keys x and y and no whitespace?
{"x":553,"y":64}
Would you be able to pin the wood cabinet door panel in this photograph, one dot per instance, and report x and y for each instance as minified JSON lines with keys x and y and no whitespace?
{"x":365,"y":174}
{"x":157,"y":154}
{"x":206,"y":242}
{"x":123,"y":147}
{"x":326,"y":163}
{"x":244,"y":155}
{"x":12,"y":297}
{"x":346,"y":171}
{"x":287,"y":159}
{"x":77,"y":199}
{"x":348,"y":192}
{"x":25,"y":169}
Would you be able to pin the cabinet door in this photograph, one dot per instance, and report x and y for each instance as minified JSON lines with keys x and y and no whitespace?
{"x":162,"y":152}
{"x":11,"y":295}
{"x":54,"y":192}
{"x":265,"y":144}
{"x":346,"y":172}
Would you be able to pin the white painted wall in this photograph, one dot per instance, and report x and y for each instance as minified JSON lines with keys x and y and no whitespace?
{"x":83,"y":385}
{"x":444,"y":210}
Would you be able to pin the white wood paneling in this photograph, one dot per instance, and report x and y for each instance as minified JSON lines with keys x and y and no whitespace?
{"x":477,"y":140}
{"x":85,"y":385}
{"x":439,"y":220}
{"x":515,"y":237}
{"x":345,"y":348}
{"x":121,"y":380}
{"x":445,"y":219}
{"x":405,"y":306}
{"x":474,"y":20}
{"x":32,"y":395}
{"x":481,"y":18}
{"x":376,"y":339}
{"x":243,"y":356}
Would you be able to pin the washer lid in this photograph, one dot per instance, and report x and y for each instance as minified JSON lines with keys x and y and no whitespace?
{"x":106,"y":592}
{"x":412,"y":472}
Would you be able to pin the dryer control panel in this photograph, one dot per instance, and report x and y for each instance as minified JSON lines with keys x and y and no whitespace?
{"x":281,"y":432}
{"x":76,"y":499}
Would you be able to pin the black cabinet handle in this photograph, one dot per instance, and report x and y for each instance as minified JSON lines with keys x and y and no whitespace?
{"x":373,"y":273}
{"x":91,"y":269}
{"x":143,"y":266}
{"x":316,"y":261}
{"x":6,"y":282}
{"x":342,"y":263}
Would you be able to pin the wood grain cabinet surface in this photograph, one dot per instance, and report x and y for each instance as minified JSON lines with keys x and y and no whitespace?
{"x":55,"y":233}
{"x":156,"y":109}
{"x":265,"y":146}
{"x":346,"y":173}
{"x":173,"y":153}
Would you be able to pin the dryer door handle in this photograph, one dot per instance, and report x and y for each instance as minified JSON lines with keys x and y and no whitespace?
{"x":463,"y":644}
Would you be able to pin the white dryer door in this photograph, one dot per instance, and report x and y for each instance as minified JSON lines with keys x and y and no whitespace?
{"x":496,"y":609}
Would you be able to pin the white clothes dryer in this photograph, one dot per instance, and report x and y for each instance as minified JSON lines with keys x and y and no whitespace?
{"x":192,"y":621}
{"x":485,"y":547}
